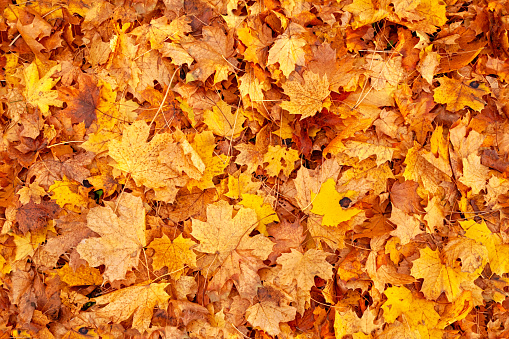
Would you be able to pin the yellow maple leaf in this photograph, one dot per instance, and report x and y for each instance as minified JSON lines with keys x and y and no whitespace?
{"x":363,"y":150}
{"x":264,"y":212}
{"x":348,"y":323}
{"x":223,"y":122}
{"x":159,"y":30}
{"x":32,"y":192}
{"x":308,"y":97}
{"x":438,"y":277}
{"x":137,"y":301}
{"x":221,"y":234}
{"x":365,"y":12}
{"x":458,"y":94}
{"x":65,"y":192}
{"x":475,"y":174}
{"x":251,"y":86}
{"x":428,"y":63}
{"x":211,"y":53}
{"x":473,"y":255}
{"x":458,"y":310}
{"x":498,"y":252}
{"x":84,"y":275}
{"x":421,"y":15}
{"x":232,"y":253}
{"x":175,"y":255}
{"x":252,"y":155}
{"x":38,"y":91}
{"x":240,"y":183}
{"x":256,"y":39}
{"x":204,"y":144}
{"x":280,"y":159}
{"x":148,"y":165}
{"x":418,"y":313}
{"x":326,"y":203}
{"x":121,"y":240}
{"x":384,"y":72}
{"x":288,"y":49}
{"x":298,"y":271}
{"x":419,"y":169}
{"x":268,"y":314}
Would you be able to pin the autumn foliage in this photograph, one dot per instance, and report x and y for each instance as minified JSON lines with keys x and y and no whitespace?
{"x":254,"y":169}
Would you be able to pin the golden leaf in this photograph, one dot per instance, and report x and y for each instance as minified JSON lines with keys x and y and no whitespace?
{"x":121,"y":240}
{"x":326,"y":203}
{"x":287,"y":50}
{"x":137,"y":301}
{"x":175,"y":255}
{"x":458,"y":94}
{"x":306,"y":98}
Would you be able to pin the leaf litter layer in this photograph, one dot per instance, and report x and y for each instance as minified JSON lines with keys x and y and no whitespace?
{"x":276,"y":169}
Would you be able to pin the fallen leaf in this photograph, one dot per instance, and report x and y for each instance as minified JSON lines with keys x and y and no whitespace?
{"x":121,"y":240}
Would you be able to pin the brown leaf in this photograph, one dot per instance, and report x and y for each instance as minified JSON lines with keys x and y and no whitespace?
{"x":82,"y":101}
{"x":33,"y":217}
{"x":404,"y":196}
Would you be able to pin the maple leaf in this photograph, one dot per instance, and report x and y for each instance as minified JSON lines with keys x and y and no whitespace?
{"x":264,"y":212}
{"x":498,"y":252}
{"x":121,"y":240}
{"x":348,"y":323}
{"x":141,"y":159}
{"x":159,"y":30}
{"x":365,"y":12}
{"x":404,"y":196}
{"x":421,"y":170}
{"x":299,"y":269}
{"x":81,"y":102}
{"x":407,"y":226}
{"x":32,"y":192}
{"x":137,"y":301}
{"x":65,"y":192}
{"x":458,"y":94}
{"x":420,"y":314}
{"x":475,"y":174}
{"x":83,"y":275}
{"x":363,"y":150}
{"x":175,"y":255}
{"x":308,"y":97}
{"x":223,"y":122}
{"x":214,"y":164}
{"x":256,"y":38}
{"x":326,"y":203}
{"x":438,"y":277}
{"x":252,"y":155}
{"x":213,"y":53}
{"x":288,"y":49}
{"x":384,"y":72}
{"x":280,"y":159}
{"x":241,"y":183}
{"x":251,"y":86}
{"x":38,"y":91}
{"x":227,"y":240}
{"x":267,"y":315}
{"x":32,"y":216}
